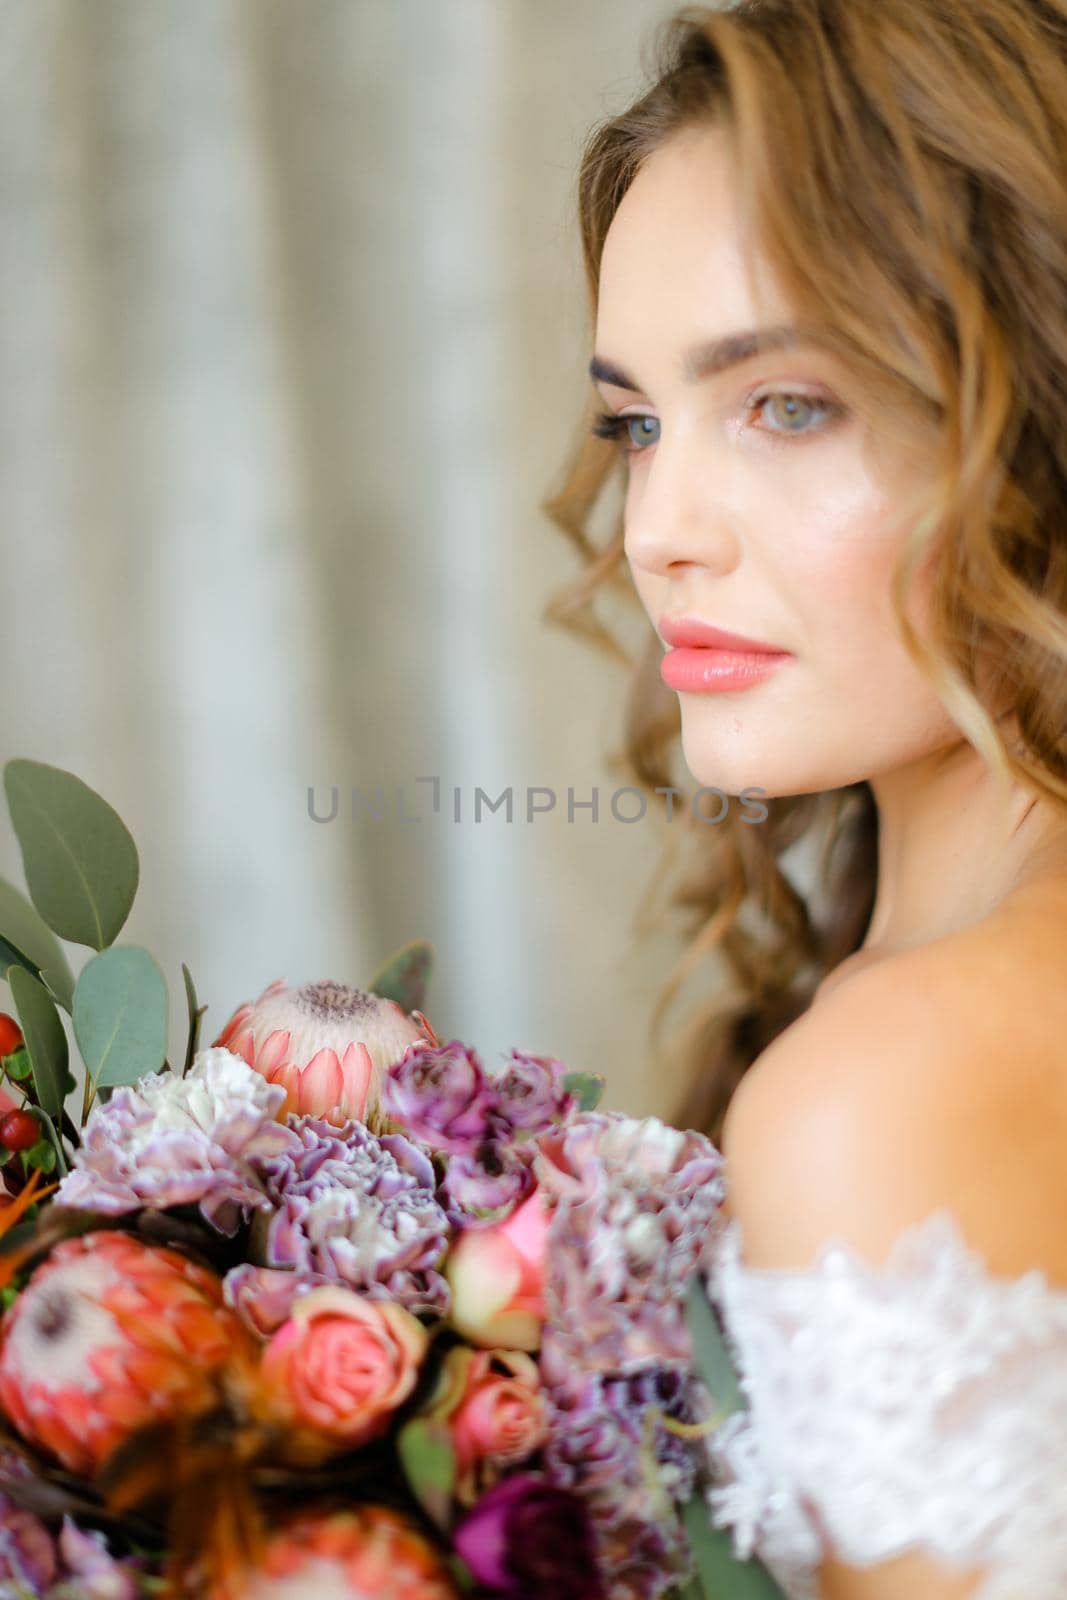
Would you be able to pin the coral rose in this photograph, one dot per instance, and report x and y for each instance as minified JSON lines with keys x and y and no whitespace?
{"x":497,"y":1418}
{"x":339,"y":1367}
{"x":497,"y":1276}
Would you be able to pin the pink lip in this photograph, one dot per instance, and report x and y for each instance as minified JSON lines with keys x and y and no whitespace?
{"x":692,"y":631}
{"x":704,"y":671}
{"x":709,"y":660}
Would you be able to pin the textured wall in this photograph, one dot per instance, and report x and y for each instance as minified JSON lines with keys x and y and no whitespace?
{"x":293,"y":341}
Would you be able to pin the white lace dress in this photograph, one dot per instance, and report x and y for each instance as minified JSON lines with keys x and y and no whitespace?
{"x":917,"y":1405}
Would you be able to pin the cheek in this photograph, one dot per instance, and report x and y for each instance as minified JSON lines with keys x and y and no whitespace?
{"x":843,"y":540}
{"x":838,"y":570}
{"x":651,"y":591}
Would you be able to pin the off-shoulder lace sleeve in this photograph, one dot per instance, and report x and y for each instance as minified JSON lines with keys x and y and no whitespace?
{"x":920,"y":1404}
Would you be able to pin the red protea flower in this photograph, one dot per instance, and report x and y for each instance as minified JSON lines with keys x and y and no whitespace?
{"x":109,"y":1334}
{"x":361,"y":1553}
{"x":327,"y":1043}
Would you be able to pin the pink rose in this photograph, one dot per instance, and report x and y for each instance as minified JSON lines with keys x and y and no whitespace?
{"x":497,"y":1276}
{"x":339,"y":1367}
{"x":500,"y":1418}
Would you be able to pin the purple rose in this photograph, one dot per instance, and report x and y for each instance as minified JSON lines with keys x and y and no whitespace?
{"x":528,"y":1094}
{"x":526,"y":1540}
{"x":484,"y":1186}
{"x":440,"y":1094}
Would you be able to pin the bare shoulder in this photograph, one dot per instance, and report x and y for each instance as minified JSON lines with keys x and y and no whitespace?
{"x":936,"y":1077}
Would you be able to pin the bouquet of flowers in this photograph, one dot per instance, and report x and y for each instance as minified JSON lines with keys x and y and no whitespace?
{"x":328,"y":1308}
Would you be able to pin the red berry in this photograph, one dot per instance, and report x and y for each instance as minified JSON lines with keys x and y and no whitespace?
{"x":10,"y":1035}
{"x":19,"y":1130}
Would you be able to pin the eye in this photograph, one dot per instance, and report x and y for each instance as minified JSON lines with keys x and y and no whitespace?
{"x":793,"y":413}
{"x":608,"y":426}
{"x":789,"y":414}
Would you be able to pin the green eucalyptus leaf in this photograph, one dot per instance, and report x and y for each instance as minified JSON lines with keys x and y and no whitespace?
{"x":694,"y":1590}
{"x":12,"y":956}
{"x":405,"y":976}
{"x":120,"y":1016}
{"x":428,"y":1461}
{"x":196,"y":1011}
{"x":27,"y":940}
{"x":710,"y":1353}
{"x":587,"y":1087}
{"x":79,"y":857}
{"x":46,"y":1042}
{"x":722,"y":1574}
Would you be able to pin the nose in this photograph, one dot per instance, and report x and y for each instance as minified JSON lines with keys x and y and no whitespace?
{"x":676,"y":516}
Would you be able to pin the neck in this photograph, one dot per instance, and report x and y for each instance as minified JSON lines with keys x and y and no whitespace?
{"x":953,"y":840}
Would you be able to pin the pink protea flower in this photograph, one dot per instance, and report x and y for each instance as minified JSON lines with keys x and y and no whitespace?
{"x":327,"y":1044}
{"x":109,"y":1334}
{"x":362,"y":1553}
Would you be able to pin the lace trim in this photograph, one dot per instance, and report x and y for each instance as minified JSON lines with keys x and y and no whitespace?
{"x":917,"y":1404}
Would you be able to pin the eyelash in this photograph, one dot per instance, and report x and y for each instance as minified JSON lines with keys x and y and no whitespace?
{"x":608,"y":425}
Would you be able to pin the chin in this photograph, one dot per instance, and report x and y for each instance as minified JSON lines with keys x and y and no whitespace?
{"x":721,"y":753}
{"x":756,"y":769}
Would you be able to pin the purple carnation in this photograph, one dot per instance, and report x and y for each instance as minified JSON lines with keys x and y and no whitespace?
{"x":350,"y":1208}
{"x":608,"y":1445}
{"x":637,"y":1208}
{"x":75,"y":1566}
{"x":92,"y":1573}
{"x":198,"y":1140}
{"x":27,"y":1550}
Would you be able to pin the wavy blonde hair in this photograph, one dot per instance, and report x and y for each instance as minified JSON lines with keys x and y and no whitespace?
{"x":903,"y":164}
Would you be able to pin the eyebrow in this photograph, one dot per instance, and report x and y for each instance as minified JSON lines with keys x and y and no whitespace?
{"x":716,"y":355}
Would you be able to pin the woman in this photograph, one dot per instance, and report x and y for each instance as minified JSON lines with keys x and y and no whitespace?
{"x":827,"y":261}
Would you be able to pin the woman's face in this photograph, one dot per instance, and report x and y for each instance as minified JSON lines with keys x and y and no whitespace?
{"x":757,"y":499}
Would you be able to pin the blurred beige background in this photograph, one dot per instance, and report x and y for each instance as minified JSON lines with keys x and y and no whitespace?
{"x":293,"y":343}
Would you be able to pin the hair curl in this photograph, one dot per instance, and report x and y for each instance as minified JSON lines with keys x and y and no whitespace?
{"x":902,"y":162}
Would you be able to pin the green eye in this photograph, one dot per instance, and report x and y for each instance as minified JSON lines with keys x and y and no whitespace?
{"x":794,"y":415}
{"x":793,"y":411}
{"x":607,"y":425}
{"x":646,"y":430}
